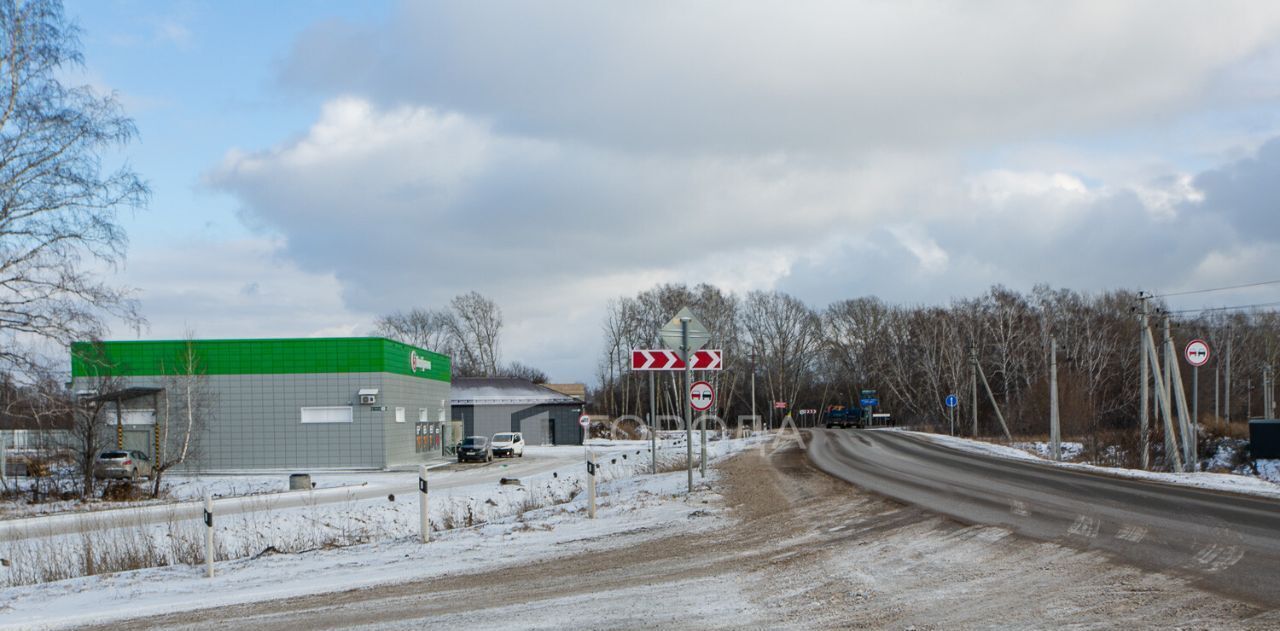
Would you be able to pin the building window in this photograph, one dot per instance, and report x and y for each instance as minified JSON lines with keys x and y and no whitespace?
{"x":330,"y":414}
{"x":128,"y":416}
{"x":399,"y":415}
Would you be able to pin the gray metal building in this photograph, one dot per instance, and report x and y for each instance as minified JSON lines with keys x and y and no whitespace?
{"x":487,"y":406}
{"x":282,"y":404}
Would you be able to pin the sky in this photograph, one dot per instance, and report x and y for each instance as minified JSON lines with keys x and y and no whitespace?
{"x":317,"y":164}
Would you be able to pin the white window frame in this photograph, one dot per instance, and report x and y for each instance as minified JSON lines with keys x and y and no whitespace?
{"x":399,"y":415}
{"x":129,"y":417}
{"x":327,"y":414}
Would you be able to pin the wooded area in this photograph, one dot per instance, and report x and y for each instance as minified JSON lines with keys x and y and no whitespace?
{"x":915,"y":355}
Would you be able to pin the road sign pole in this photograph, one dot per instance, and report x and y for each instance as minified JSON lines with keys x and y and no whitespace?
{"x":424,"y":521}
{"x":688,"y":402}
{"x":208,"y":534}
{"x":591,"y":488}
{"x":653,"y":428}
{"x":1195,"y":396}
{"x":703,"y":423}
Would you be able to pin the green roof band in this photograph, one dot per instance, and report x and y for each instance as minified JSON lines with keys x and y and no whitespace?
{"x":259,"y":357}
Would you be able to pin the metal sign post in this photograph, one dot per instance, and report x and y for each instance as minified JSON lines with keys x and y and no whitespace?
{"x":424,"y":521}
{"x":952,"y":401}
{"x":1197,"y":354}
{"x":208,"y":534}
{"x":653,"y":429}
{"x":686,"y":334}
{"x":591,"y":487}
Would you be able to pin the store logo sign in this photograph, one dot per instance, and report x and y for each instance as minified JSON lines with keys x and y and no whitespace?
{"x":417,"y":363}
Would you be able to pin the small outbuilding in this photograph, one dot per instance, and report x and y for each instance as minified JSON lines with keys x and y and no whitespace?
{"x":489,"y":405}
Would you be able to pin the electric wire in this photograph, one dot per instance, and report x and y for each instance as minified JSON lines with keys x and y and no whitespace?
{"x":1213,"y":289}
{"x":1233,"y":308}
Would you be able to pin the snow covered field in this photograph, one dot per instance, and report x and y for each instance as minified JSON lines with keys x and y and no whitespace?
{"x":1212,"y":481}
{"x":375,"y":541}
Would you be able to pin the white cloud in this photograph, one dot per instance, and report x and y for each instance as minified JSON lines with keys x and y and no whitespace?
{"x":829,"y":76}
{"x":204,"y":286}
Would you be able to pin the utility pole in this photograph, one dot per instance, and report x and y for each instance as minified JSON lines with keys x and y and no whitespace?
{"x":1226,"y":382}
{"x":755,"y":421}
{"x":1248,"y":399}
{"x":1268,"y":404}
{"x":973,"y":386}
{"x":1055,"y":430}
{"x":1186,"y":424}
{"x":1217,"y":381}
{"x":996,"y":406}
{"x":1143,"y":422}
{"x":688,"y":403}
{"x":1166,"y":406}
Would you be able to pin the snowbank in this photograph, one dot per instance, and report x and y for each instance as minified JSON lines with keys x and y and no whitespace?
{"x":1210,"y":481}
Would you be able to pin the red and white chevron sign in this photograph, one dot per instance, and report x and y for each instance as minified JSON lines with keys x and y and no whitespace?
{"x":670,"y":360}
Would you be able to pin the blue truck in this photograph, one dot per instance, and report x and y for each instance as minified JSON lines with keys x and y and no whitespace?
{"x":845,"y":417}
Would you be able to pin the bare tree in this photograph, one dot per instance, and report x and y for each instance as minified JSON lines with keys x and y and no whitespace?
{"x":426,"y":328}
{"x":57,"y":206}
{"x":90,"y":433}
{"x":183,"y":420}
{"x":524,"y":371}
{"x":785,"y":336}
{"x":476,"y":324}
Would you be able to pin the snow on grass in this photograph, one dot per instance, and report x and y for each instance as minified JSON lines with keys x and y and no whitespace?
{"x":1209,"y":481}
{"x":1070,"y":450}
{"x":377,"y":537}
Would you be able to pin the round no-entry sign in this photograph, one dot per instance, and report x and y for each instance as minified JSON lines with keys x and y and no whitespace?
{"x":584,"y":420}
{"x":1197,"y":353}
{"x":701,"y":396}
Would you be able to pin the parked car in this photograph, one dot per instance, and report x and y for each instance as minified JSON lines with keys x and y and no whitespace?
{"x":508,"y":444}
{"x":475,"y":448}
{"x":121,"y":464}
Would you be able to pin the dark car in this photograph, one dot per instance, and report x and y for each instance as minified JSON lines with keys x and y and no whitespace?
{"x":475,"y":448}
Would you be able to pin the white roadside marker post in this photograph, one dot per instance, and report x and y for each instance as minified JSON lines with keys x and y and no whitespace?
{"x":591,"y":485}
{"x":208,"y":534}
{"x":424,"y":523}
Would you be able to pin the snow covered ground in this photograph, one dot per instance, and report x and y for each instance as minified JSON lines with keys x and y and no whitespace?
{"x":1212,"y":481}
{"x":1070,"y":450}
{"x":478,"y":526}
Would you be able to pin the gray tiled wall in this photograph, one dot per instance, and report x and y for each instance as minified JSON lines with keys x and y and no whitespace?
{"x":256,"y":421}
{"x":540,"y":423}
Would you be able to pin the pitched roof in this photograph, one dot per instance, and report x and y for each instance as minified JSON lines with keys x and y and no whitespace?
{"x":504,"y":391}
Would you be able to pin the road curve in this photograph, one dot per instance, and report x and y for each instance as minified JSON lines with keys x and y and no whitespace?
{"x":1225,"y":542}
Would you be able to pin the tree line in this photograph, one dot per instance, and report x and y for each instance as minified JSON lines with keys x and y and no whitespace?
{"x":915,"y":355}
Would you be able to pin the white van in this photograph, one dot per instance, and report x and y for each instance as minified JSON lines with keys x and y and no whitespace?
{"x":509,"y":444}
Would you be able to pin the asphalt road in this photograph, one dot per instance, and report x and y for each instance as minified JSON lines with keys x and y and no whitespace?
{"x":448,"y":476}
{"x":1224,"y":542}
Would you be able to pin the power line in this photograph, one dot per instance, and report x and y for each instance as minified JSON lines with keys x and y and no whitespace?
{"x":1213,"y":289}
{"x":1237,"y":307}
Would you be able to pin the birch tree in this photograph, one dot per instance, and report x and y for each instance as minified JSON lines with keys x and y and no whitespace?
{"x":58,"y":205}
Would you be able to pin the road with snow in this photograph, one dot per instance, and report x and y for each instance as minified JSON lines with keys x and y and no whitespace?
{"x":536,"y":460}
{"x":1226,"y":542}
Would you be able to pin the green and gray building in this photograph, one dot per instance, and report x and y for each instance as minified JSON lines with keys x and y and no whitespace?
{"x":273,"y":404}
